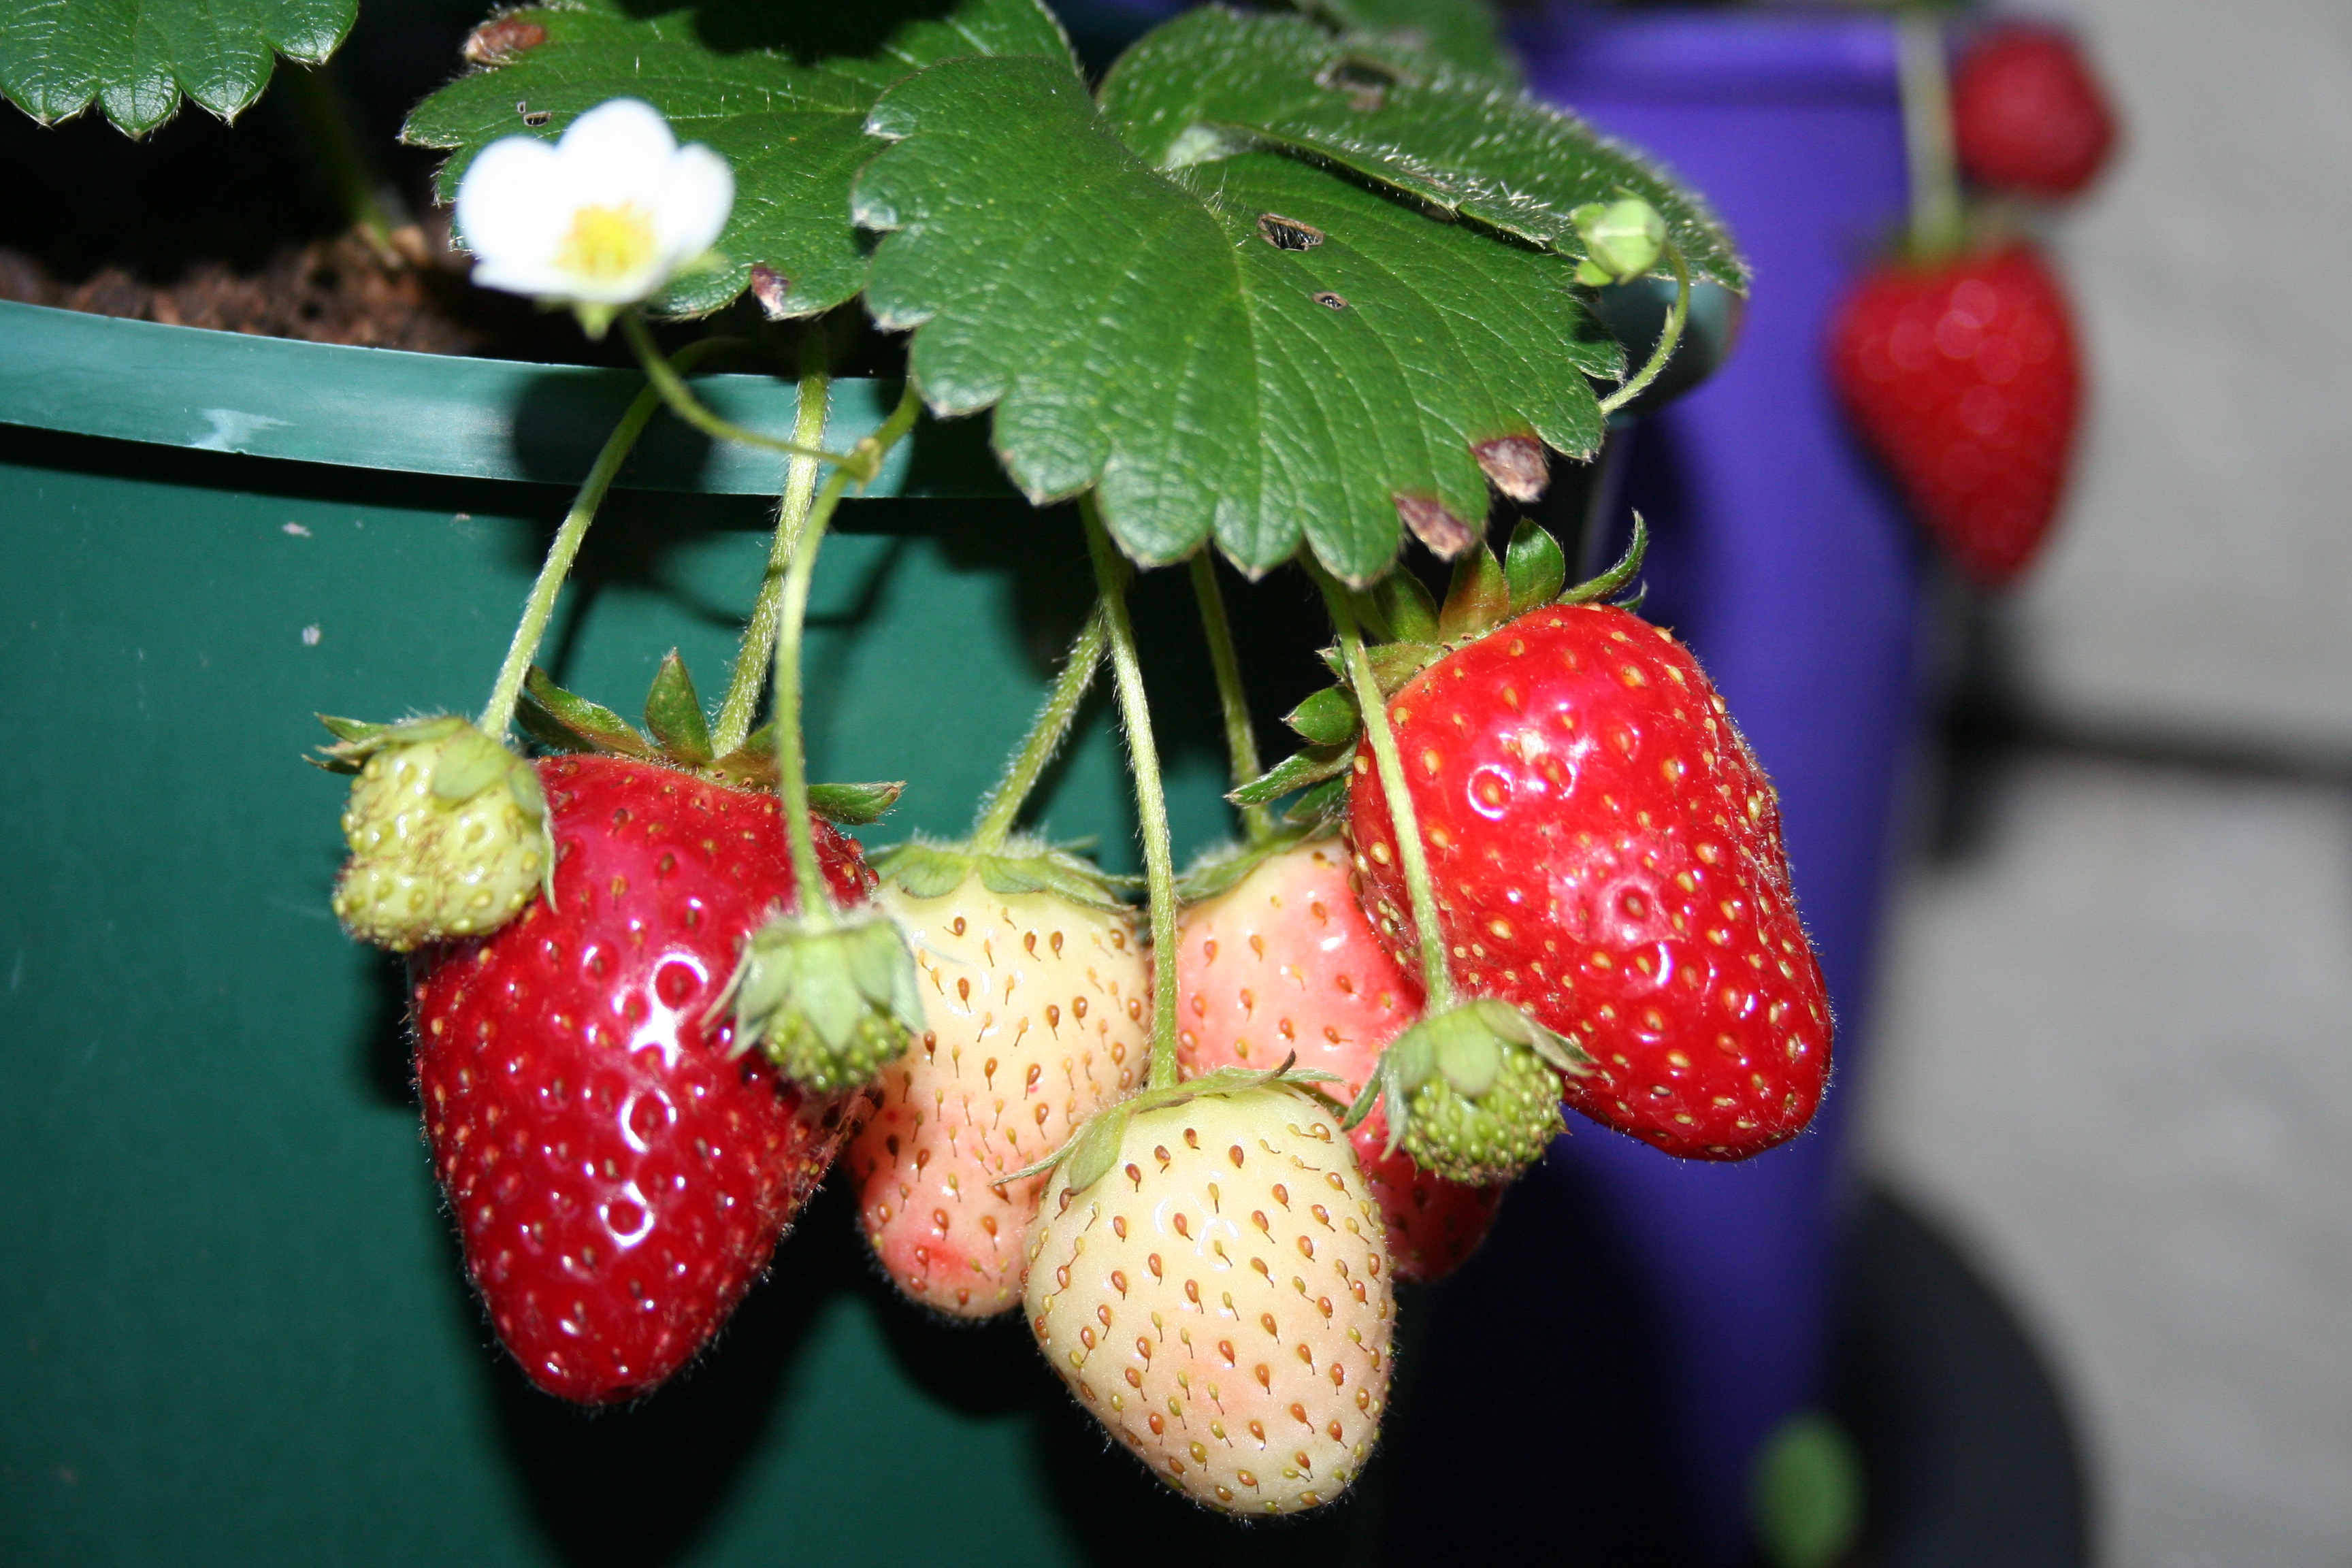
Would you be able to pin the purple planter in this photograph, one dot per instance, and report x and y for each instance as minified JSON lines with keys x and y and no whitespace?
{"x":1783,"y":561}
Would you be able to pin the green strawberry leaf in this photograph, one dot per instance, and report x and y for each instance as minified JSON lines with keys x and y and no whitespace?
{"x":674,"y":713}
{"x":1462,"y":33}
{"x":1254,"y":352}
{"x":1534,"y":566}
{"x":135,"y":58}
{"x":1214,"y":83}
{"x":783,"y":90}
{"x":1322,"y":807}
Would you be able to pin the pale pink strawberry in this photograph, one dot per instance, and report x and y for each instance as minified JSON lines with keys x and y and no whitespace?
{"x":1209,"y":1275}
{"x":1036,"y":1017}
{"x":1284,"y":963}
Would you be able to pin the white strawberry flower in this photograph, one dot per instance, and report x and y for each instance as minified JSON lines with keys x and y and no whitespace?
{"x":598,"y":220}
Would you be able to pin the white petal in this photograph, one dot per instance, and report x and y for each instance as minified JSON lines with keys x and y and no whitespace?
{"x":620,"y":150}
{"x":507,"y":204}
{"x":698,"y":197}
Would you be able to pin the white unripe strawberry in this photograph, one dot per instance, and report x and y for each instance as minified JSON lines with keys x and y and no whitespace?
{"x":1218,"y":1294}
{"x":1034,"y":1018}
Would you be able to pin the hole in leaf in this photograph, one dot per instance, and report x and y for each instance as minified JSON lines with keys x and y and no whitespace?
{"x":1287,"y":234}
{"x":1331,"y":301}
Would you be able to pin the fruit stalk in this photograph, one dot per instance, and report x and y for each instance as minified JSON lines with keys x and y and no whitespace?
{"x":1936,"y":222}
{"x":1241,"y":741}
{"x":759,"y":645}
{"x":499,"y":712}
{"x":791,"y":761}
{"x":1668,"y":338}
{"x":687,"y":407}
{"x":1002,"y":805}
{"x":1412,"y":855}
{"x":1151,"y":798}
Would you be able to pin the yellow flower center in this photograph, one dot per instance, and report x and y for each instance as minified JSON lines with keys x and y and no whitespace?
{"x":606,"y":243}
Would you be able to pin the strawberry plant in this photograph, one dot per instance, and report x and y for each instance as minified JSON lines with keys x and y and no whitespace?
{"x":1308,"y":289}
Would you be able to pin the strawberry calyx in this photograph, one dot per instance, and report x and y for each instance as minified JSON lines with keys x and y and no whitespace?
{"x":677,"y":735}
{"x":1090,"y":1151}
{"x":1416,"y":631}
{"x":830,"y":1000}
{"x":1473,"y":1093}
{"x":447,"y":830}
{"x":1223,"y":868}
{"x":926,"y":868}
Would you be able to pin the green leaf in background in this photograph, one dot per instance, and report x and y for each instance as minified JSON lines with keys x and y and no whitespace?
{"x":1212,"y":83}
{"x":780,"y":87}
{"x":1255,"y":351}
{"x":137,"y":57}
{"x":1463,"y":33}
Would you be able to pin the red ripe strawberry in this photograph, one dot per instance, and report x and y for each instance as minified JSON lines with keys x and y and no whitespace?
{"x":1606,"y":854}
{"x":2028,"y":116}
{"x":1284,"y":962}
{"x":1964,"y":378}
{"x":618,"y":1180}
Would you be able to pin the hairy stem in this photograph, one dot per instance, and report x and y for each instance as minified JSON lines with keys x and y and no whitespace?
{"x":1002,"y":805}
{"x":1667,"y":340}
{"x":792,"y":755}
{"x":752,"y":659}
{"x":683,"y":402}
{"x":1935,"y":219}
{"x":1241,"y":741}
{"x":499,"y":712}
{"x":1150,"y":797}
{"x":1412,"y":855}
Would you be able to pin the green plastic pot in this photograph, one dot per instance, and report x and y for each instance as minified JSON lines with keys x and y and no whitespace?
{"x":233,"y":1327}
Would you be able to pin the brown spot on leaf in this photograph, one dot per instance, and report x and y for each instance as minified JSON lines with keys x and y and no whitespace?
{"x":1445,"y":534}
{"x":501,"y":39}
{"x":769,"y":287}
{"x":1515,"y":465}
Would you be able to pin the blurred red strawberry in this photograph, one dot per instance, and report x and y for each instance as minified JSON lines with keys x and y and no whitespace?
{"x":2028,"y":117}
{"x":1964,"y":376}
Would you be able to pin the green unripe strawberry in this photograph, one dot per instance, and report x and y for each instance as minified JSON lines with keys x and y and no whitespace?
{"x":831,"y":1004}
{"x":1622,"y":240}
{"x":1472,"y":1094}
{"x":447,"y":830}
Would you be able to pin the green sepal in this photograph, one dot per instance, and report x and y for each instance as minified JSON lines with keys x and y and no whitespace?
{"x":557,"y":719}
{"x":1535,"y":566}
{"x":831,"y":1001}
{"x":1393,"y":663}
{"x":674,"y":715}
{"x":356,"y":739}
{"x":1405,"y":604}
{"x":1450,"y":1065}
{"x":1092,"y":1151}
{"x":1324,"y":806}
{"x":1479,"y":599}
{"x":1329,"y":718}
{"x":923,"y":869}
{"x":853,"y":805}
{"x":1618,"y":575}
{"x":1296,"y":771}
{"x":1222,"y":868}
{"x":472,"y":764}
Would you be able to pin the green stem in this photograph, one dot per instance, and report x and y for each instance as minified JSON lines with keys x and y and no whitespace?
{"x":1150,"y":797}
{"x":499,"y":712}
{"x":1667,"y":340}
{"x":683,"y":402}
{"x":1241,"y":741}
{"x":1412,"y":855}
{"x":1936,"y":217}
{"x":792,"y":757}
{"x":1002,"y":805}
{"x":324,"y":113}
{"x":742,"y":701}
